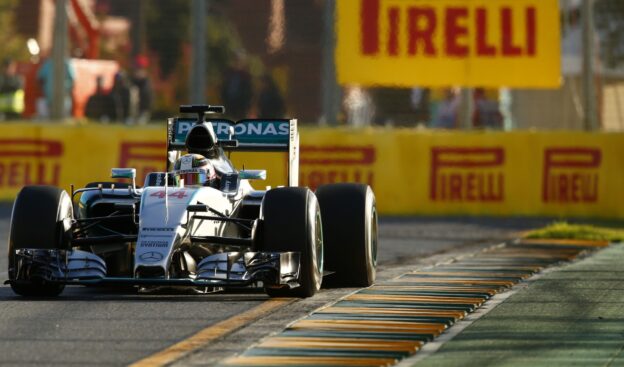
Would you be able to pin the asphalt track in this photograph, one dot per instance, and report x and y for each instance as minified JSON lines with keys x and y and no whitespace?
{"x":111,"y":327}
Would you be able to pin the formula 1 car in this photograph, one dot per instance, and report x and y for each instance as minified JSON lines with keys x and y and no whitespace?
{"x":178,"y":231}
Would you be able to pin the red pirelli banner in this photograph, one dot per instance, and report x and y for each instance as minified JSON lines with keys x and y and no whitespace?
{"x":489,"y":43}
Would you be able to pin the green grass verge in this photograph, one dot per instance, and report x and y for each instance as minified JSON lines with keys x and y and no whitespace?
{"x":564,"y":230}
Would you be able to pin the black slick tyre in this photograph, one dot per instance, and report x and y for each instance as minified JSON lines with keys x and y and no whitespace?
{"x":40,"y":219}
{"x":292,"y":222}
{"x":349,"y":233}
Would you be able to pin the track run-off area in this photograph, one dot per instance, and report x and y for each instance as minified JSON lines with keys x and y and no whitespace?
{"x":94,"y":326}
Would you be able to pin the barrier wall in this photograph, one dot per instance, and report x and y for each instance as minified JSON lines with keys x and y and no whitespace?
{"x":412,"y":172}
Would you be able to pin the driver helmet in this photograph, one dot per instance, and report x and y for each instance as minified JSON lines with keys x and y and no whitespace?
{"x":195,"y":170}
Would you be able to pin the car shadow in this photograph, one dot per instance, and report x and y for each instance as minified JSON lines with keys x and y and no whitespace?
{"x":99,"y":294}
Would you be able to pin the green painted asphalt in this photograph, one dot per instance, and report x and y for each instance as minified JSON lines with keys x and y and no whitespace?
{"x":572,"y":316}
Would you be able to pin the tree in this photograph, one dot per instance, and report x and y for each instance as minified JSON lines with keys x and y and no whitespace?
{"x":11,"y":44}
{"x":609,"y":16}
{"x":167,"y":30}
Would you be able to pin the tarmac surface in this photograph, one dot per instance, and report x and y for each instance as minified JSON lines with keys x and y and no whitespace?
{"x":569,"y":316}
{"x":110,"y":327}
{"x":89,"y":326}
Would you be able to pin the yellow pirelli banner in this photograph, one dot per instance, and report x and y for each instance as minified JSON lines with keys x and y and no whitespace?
{"x":411,"y":172}
{"x":487,"y":43}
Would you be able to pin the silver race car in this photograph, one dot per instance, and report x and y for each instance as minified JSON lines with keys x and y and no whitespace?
{"x":200,"y":224}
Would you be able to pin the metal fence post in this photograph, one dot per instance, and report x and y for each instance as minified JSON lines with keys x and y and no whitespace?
{"x":589,"y":93}
{"x":59,"y":55}
{"x":330,"y":90}
{"x":466,"y":109}
{"x":197,"y":81}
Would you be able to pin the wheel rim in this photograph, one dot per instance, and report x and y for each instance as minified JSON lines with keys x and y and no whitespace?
{"x":66,"y":211}
{"x":373,"y":238}
{"x":319,"y":242}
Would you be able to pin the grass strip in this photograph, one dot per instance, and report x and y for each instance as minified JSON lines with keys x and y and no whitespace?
{"x":564,"y":230}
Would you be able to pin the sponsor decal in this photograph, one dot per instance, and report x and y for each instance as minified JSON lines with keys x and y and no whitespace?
{"x":146,"y":157}
{"x":157,"y":179}
{"x":30,"y":162}
{"x":229,"y":182}
{"x":415,"y":28}
{"x":157,"y":229}
{"x":151,"y":257}
{"x":246,"y":131}
{"x":177,"y":194}
{"x":467,"y":174}
{"x":186,"y":163}
{"x":153,"y":243}
{"x":332,"y":164}
{"x":249,"y":129}
{"x":476,"y":43}
{"x":571,"y":175}
{"x":156,"y":233}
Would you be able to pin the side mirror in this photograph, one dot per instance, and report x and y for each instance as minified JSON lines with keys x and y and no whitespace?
{"x":252,"y":174}
{"x":125,"y":173}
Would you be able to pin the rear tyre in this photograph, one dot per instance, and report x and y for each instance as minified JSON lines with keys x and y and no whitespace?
{"x":292,"y":222}
{"x":41,"y":219}
{"x":349,"y":232}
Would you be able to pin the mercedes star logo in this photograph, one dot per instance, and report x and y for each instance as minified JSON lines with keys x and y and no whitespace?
{"x":151,"y":257}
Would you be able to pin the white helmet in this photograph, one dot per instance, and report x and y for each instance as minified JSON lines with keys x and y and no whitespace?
{"x":195,"y":170}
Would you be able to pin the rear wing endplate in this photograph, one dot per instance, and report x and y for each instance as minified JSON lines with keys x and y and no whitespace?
{"x":252,"y":135}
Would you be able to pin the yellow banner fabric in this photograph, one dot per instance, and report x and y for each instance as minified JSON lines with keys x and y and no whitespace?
{"x":438,"y":43}
{"x":411,"y":172}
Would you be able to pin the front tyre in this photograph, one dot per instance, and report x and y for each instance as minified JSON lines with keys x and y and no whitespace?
{"x":350,"y":232}
{"x":292,"y":222}
{"x":41,"y":219}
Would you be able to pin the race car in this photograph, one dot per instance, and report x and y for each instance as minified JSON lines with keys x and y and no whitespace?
{"x":200,"y":224}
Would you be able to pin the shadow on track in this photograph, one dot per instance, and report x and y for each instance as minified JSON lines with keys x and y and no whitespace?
{"x":99,"y":294}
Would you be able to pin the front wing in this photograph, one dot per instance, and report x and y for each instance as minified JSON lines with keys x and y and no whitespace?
{"x":227,"y":269}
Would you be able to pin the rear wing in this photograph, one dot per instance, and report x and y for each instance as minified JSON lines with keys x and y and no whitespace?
{"x":251,"y":135}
